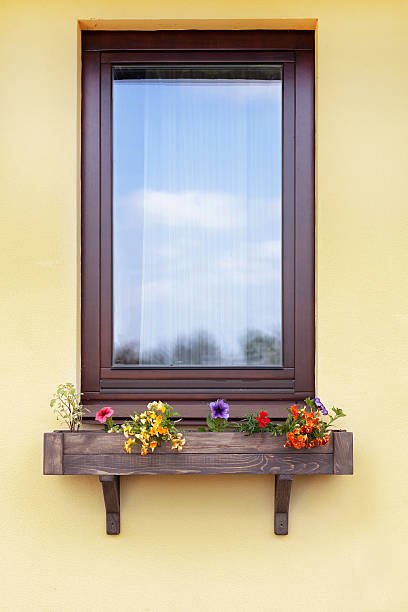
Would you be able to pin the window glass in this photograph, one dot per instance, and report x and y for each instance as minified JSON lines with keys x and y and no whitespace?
{"x":197,"y":215}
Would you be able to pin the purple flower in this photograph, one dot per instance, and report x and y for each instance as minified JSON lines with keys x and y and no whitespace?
{"x":219,"y":409}
{"x":319,"y":404}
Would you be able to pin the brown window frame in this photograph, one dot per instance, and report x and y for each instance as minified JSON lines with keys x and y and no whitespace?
{"x":190,"y":388}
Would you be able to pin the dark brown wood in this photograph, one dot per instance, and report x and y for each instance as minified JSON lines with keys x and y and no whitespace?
{"x":205,"y":463}
{"x":166,"y":57}
{"x":283,"y":486}
{"x":102,"y":454}
{"x":184,"y":385}
{"x":53,"y":453}
{"x":90,"y":222}
{"x":295,"y":380}
{"x":288,"y":217}
{"x":95,"y":443}
{"x":187,"y":373}
{"x":305,"y":222}
{"x":111,"y":495}
{"x":106,"y":216}
{"x":195,"y":394}
{"x":343,"y":452}
{"x":198,"y":40}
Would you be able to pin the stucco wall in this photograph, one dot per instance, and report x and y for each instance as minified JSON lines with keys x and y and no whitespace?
{"x":207,"y":543}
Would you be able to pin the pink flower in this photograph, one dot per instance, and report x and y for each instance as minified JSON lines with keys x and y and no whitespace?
{"x":104,"y":414}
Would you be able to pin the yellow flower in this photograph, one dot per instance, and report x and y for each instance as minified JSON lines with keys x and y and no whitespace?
{"x":161,"y":406}
{"x":128,"y":445}
{"x":127,"y":430}
{"x":178,"y":442}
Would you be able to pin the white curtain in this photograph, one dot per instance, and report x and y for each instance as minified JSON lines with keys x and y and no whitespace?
{"x":197,"y":244}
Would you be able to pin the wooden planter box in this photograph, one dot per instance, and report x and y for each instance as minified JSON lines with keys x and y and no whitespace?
{"x":102,"y":454}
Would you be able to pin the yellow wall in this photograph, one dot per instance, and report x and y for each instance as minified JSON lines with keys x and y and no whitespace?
{"x":346,"y":550}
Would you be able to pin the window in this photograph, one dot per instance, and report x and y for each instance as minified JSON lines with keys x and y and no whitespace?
{"x":198,"y":219}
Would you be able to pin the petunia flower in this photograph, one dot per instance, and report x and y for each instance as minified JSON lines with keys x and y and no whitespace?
{"x":104,"y":414}
{"x":319,"y":405}
{"x":219,"y":409}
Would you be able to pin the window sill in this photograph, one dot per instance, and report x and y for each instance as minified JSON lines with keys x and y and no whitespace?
{"x":102,"y":454}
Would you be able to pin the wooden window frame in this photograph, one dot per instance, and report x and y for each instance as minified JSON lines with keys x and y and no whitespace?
{"x":190,"y":388}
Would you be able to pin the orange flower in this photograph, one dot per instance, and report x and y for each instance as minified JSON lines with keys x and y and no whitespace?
{"x":294,"y":411}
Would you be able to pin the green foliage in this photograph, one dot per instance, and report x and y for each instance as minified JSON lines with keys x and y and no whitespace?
{"x":249,"y":425}
{"x":67,"y":407}
{"x":216,"y":424}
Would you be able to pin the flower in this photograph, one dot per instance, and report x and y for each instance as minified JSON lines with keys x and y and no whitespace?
{"x":104,"y":414}
{"x":219,"y":409}
{"x":178,"y":442}
{"x":128,"y":444}
{"x":319,"y":405}
{"x":294,"y":411}
{"x":263,"y":419}
{"x":126,"y":430}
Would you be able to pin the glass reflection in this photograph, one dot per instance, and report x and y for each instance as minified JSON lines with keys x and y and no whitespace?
{"x":197,"y":215}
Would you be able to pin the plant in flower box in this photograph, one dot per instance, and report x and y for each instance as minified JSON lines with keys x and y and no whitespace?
{"x":217,"y":418}
{"x":305,"y":427}
{"x":148,"y":429}
{"x":67,"y":406}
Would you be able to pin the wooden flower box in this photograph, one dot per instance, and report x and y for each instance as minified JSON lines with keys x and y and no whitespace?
{"x":102,"y":454}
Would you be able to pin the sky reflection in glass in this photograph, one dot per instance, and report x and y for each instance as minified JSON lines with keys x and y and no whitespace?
{"x":197,"y":215}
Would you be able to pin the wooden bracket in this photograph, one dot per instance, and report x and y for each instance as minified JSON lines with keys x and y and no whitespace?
{"x":96,"y":453}
{"x":111,"y":494}
{"x":283,"y":485}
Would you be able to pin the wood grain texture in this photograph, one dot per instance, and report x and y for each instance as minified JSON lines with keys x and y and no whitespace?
{"x":53,"y":453}
{"x":95,"y":443}
{"x":283,"y":486}
{"x":111,"y":495}
{"x":343,"y":452}
{"x":180,"y":463}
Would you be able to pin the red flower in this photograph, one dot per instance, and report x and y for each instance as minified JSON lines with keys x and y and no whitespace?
{"x":263,"y":419}
{"x":103,"y":414}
